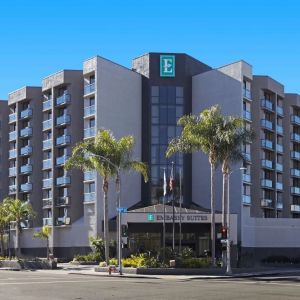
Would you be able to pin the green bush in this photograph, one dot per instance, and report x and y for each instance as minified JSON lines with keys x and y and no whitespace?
{"x":187,"y":252}
{"x":91,"y":257}
{"x":140,"y":260}
{"x":113,"y":261}
{"x":193,"y":262}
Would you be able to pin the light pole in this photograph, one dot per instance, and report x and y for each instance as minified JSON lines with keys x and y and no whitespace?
{"x":118,"y":183}
{"x":228,"y":248}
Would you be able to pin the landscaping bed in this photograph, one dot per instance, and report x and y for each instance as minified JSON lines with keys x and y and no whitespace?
{"x":28,"y":264}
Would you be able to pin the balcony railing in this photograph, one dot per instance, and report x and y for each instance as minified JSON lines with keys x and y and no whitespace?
{"x":63,"y":201}
{"x":295,"y":208}
{"x":295,"y":119}
{"x":295,"y":172}
{"x":47,"y":202}
{"x":279,"y":110}
{"x":63,"y":180}
{"x":12,"y":189}
{"x":295,"y":137}
{"x":64,"y":99}
{"x":47,"y":124}
{"x":47,"y":144}
{"x":89,"y":111}
{"x":279,"y":167}
{"x":279,"y":186}
{"x":247,"y":178}
{"x":247,"y":156}
{"x":12,"y":135}
{"x":27,"y":131}
{"x":47,"y":183}
{"x":63,"y":140}
{"x":266,"y":104}
{"x":26,"y":169}
{"x":47,"y":221}
{"x":12,"y":153}
{"x":267,"y":144}
{"x":64,"y":119}
{"x":279,"y":204}
{"x":89,"y":197}
{"x":26,"y":187}
{"x":267,"y":183}
{"x":295,"y":155}
{"x":12,"y":118}
{"x":26,"y":150}
{"x":12,"y":171}
{"x":61,"y":160}
{"x":247,"y":93}
{"x":246,"y":199}
{"x":267,"y":203}
{"x":279,"y":148}
{"x":47,"y":104}
{"x":89,"y":175}
{"x":26,"y":113}
{"x":63,"y":221}
{"x":247,"y":115}
{"x":47,"y":163}
{"x":295,"y":190}
{"x":266,"y":123}
{"x":265,"y":163}
{"x":89,"y":132}
{"x":89,"y":88}
{"x":279,"y":129}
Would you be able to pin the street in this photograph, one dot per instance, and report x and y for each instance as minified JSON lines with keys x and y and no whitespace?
{"x":59,"y":285}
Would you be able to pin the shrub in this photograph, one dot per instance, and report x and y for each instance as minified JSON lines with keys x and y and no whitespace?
{"x":102,"y":264}
{"x":140,"y":260}
{"x":193,"y":262}
{"x":187,"y":252}
{"x":113,"y":261}
{"x":98,"y":245}
{"x":91,"y":257}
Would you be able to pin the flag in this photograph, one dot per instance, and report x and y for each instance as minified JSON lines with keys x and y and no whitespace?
{"x":172,"y":180}
{"x":165,"y":183}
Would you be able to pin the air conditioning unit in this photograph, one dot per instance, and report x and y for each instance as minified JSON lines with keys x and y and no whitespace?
{"x":67,"y":200}
{"x":67,"y":220}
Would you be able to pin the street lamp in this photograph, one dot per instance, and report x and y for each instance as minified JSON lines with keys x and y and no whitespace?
{"x":118,"y":181}
{"x":228,"y":249}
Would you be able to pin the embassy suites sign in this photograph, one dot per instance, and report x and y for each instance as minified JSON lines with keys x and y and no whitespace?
{"x":185,"y":218}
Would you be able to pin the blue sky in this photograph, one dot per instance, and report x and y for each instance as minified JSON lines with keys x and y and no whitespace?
{"x":38,"y":38}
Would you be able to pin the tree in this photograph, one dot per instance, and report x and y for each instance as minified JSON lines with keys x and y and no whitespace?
{"x":18,"y":211}
{"x":199,"y":134}
{"x":44,"y":234}
{"x":4,"y":223}
{"x":106,"y":155}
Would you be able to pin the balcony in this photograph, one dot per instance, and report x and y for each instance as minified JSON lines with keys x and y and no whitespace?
{"x":247,"y":156}
{"x":26,"y":187}
{"x":89,"y":111}
{"x":89,"y":197}
{"x":64,"y":99}
{"x":25,"y":169}
{"x":266,"y":183}
{"x":27,"y":131}
{"x":63,"y":201}
{"x":246,"y":199}
{"x":247,"y":93}
{"x":63,"y":180}
{"x":89,"y":132}
{"x":47,"y":221}
{"x":89,"y":176}
{"x":47,"y":163}
{"x":27,"y":113}
{"x":267,"y":144}
{"x":295,"y":190}
{"x":12,"y":189}
{"x":12,"y":135}
{"x":279,"y":204}
{"x":26,"y":150}
{"x":12,"y":171}
{"x":63,"y":120}
{"x":279,"y":129}
{"x":47,"y":144}
{"x":12,"y":118}
{"x":279,"y":167}
{"x":89,"y":88}
{"x":47,"y":104}
{"x":63,"y":140}
{"x":295,"y":120}
{"x":279,"y":110}
{"x":266,"y":203}
{"x":63,"y":221}
{"x":61,"y":160}
{"x":295,"y":155}
{"x":267,"y":104}
{"x":279,"y":148}
{"x":295,"y":208}
{"x":47,"y":124}
{"x":12,"y":153}
{"x":295,"y":172}
{"x":47,"y":202}
{"x":246,"y":178}
{"x":247,"y":115}
{"x":265,"y":163}
{"x":279,"y":186}
{"x":266,"y":124}
{"x":47,"y":183}
{"x":295,"y":137}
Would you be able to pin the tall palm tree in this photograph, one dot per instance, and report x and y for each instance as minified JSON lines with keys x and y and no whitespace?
{"x":106,"y":155}
{"x":199,"y":134}
{"x":18,"y":211}
{"x":44,"y":234}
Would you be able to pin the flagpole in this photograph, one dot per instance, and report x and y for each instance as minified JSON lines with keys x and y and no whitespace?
{"x":180,"y":206}
{"x":173,"y":206}
{"x":164,"y":216}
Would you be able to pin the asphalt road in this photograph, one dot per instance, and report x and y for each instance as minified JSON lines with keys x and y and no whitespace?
{"x":55,"y":285}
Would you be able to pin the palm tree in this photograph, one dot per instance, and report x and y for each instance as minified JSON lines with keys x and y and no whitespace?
{"x":18,"y":211}
{"x":44,"y":234}
{"x":106,"y":155}
{"x":199,"y":134}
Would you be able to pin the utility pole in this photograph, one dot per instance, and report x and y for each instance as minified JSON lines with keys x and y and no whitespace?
{"x":172,"y":188}
{"x":180,"y":206}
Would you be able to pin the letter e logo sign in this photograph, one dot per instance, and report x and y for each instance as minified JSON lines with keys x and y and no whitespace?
{"x":167,"y":66}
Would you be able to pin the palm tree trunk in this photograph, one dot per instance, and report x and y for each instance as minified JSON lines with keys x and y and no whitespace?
{"x":224,"y":199}
{"x":18,"y":248}
{"x":105,"y":217}
{"x":213,"y":225}
{"x":2,"y":244}
{"x":47,"y":248}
